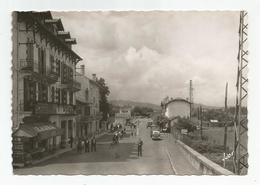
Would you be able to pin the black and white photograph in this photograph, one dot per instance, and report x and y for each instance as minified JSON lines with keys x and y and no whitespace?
{"x":130,"y":92}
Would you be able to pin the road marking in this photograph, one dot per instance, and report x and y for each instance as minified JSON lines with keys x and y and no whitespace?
{"x":170,"y":159}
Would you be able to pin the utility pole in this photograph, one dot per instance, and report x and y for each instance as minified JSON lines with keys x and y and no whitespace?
{"x":191,"y":98}
{"x":225,"y":130}
{"x":201,"y":121}
{"x":240,"y":123}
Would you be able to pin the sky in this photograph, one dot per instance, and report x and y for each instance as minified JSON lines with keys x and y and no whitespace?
{"x":146,"y":56}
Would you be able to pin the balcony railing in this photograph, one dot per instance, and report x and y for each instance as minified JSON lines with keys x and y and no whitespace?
{"x":52,"y":76}
{"x":66,"y":109}
{"x":53,"y":109}
{"x":28,"y":65}
{"x":45,"y":108}
{"x":71,"y":85}
{"x":87,"y":118}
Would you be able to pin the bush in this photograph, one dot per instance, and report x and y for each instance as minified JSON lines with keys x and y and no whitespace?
{"x":184,"y":123}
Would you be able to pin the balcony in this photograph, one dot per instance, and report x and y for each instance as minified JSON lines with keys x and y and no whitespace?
{"x":45,"y":108}
{"x":66,"y":110}
{"x":52,"y":77}
{"x":86,"y":119}
{"x":28,"y":65}
{"x":71,"y":85}
{"x":54,"y":109}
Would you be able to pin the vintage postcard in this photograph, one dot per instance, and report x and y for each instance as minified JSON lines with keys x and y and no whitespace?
{"x":129,"y":93}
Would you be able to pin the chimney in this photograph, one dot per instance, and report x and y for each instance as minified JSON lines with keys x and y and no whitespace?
{"x":94,"y":77}
{"x":82,"y":70}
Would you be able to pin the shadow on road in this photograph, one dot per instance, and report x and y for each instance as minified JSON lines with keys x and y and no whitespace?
{"x":105,"y":153}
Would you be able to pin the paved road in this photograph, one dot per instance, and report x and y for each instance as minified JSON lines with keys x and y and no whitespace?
{"x":159,"y":157}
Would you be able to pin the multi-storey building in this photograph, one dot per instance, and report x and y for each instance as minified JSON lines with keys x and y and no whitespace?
{"x":44,"y":86}
{"x":87,"y":100}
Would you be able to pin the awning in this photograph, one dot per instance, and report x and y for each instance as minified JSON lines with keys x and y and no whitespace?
{"x":25,"y":131}
{"x":42,"y":131}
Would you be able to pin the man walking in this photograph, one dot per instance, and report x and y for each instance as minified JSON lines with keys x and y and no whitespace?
{"x":139,"y":147}
{"x":87,"y":145}
{"x":71,"y":141}
{"x":79,"y":146}
{"x":93,"y":144}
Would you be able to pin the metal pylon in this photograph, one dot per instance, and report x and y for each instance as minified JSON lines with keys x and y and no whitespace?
{"x":241,"y":126}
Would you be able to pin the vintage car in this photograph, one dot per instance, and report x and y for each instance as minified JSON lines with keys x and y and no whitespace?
{"x":156,"y":135}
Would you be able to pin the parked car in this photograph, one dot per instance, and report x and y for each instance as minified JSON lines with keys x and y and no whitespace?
{"x":149,"y":124}
{"x":156,"y":135}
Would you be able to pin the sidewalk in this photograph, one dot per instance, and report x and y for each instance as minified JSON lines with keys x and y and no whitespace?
{"x":61,"y":151}
{"x":182,"y":165}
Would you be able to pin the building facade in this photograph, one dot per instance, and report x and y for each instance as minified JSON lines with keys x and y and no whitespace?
{"x":176,"y":108}
{"x":44,"y":85}
{"x":123,"y":116}
{"x":87,"y":100}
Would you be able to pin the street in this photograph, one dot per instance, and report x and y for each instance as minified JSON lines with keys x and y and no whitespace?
{"x":160,"y":157}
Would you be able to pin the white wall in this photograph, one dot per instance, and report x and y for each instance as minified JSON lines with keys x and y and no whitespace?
{"x":177,"y":108}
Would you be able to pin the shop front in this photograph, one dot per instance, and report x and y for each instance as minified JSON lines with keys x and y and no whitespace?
{"x":34,"y":141}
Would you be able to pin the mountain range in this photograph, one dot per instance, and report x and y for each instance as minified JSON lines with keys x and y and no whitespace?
{"x":151,"y":105}
{"x":134,"y":104}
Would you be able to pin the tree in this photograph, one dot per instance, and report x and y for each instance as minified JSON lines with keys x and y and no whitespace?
{"x":184,"y":123}
{"x":141,"y":111}
{"x":104,"y":92}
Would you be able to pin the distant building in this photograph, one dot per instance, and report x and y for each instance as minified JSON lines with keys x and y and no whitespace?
{"x":177,"y":108}
{"x":87,"y":102}
{"x":123,"y":116}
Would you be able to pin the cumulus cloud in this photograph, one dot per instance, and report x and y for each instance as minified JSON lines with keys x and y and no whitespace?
{"x":145,"y":56}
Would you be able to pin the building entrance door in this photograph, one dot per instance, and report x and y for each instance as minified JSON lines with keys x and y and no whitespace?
{"x":63,"y":135}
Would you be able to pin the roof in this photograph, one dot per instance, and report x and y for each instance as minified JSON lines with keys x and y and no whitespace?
{"x":47,"y":15}
{"x":177,"y":99}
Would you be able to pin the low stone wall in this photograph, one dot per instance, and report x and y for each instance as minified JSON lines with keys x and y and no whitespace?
{"x":200,"y":162}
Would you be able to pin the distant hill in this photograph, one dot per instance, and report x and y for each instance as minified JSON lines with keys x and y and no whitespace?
{"x":133,"y":103}
{"x":196,"y":105}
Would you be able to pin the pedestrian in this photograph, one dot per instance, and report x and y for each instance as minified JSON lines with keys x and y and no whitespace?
{"x":117,"y":138}
{"x":139,"y":147}
{"x":71,"y":141}
{"x":79,"y":146}
{"x":82,"y":145}
{"x":93,"y":144}
{"x":87,"y":145}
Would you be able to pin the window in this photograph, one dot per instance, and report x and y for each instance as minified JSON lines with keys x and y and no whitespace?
{"x":67,"y":74}
{"x":58,"y":66}
{"x":29,"y":94}
{"x":86,"y":95}
{"x":43,"y":93}
{"x":41,"y":61}
{"x":87,"y":111}
{"x":71,"y":98}
{"x":64,"y":96}
{"x":52,"y":62}
{"x":58,"y":95}
{"x":29,"y":51}
{"x":52,"y":94}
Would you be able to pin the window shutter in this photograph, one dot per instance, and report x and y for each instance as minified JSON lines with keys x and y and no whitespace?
{"x":35,"y":58}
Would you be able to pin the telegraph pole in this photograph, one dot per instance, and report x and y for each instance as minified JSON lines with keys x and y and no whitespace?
{"x":225,"y":130}
{"x":191,"y":98}
{"x":226,"y":114}
{"x":201,"y":122}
